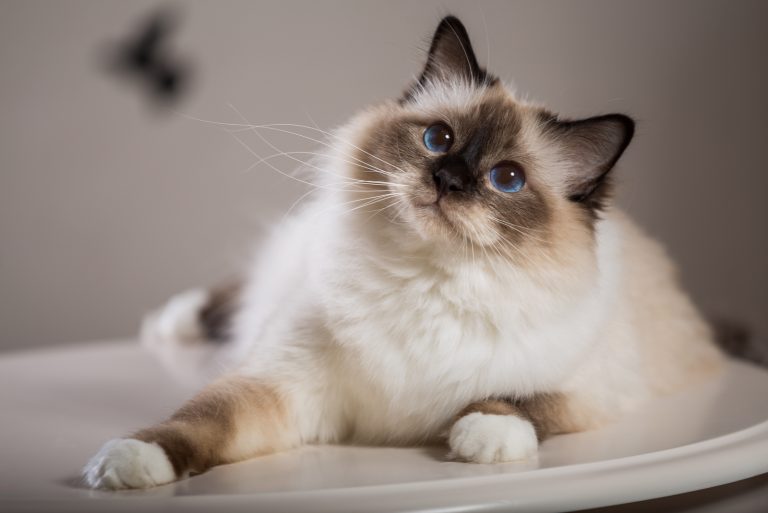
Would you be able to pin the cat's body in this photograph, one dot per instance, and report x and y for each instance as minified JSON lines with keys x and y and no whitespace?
{"x":401,"y":318}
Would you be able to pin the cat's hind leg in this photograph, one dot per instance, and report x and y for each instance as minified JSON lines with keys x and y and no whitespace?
{"x":191,"y":332}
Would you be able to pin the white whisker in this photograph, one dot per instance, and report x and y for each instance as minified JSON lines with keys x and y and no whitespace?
{"x":247,"y":126}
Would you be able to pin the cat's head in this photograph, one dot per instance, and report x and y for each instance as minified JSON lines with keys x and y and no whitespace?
{"x":464,"y":160}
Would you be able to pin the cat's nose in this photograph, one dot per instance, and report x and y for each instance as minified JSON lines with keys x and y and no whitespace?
{"x":452,"y":177}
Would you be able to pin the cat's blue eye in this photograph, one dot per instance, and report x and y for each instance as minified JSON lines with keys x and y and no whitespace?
{"x":507,"y":177}
{"x":438,"y":138}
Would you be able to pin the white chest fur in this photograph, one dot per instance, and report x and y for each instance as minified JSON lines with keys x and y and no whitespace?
{"x":418,"y":342}
{"x":401,"y":340}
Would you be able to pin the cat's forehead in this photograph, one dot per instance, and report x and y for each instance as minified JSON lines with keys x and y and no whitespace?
{"x":464,"y":101}
{"x":468,"y":109}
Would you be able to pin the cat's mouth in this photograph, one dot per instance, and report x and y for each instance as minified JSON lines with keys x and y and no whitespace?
{"x":436,"y":211}
{"x":443,"y":219}
{"x":434,"y":207}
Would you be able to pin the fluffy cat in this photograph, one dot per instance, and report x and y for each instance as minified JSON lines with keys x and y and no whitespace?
{"x":460,"y":276}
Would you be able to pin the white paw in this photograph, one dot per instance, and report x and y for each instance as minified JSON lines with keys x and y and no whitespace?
{"x":483,"y":438}
{"x":177,"y":321}
{"x":128,"y":463}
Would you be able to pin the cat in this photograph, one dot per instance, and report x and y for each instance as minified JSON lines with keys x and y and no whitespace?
{"x":461,"y":277}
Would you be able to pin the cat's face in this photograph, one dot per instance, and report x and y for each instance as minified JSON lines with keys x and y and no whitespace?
{"x":464,"y":160}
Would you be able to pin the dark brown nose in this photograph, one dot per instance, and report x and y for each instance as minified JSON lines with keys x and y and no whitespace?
{"x":453,"y":176}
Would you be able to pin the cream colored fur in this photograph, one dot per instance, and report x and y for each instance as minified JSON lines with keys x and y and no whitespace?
{"x":373,"y":326}
{"x":376,"y":334}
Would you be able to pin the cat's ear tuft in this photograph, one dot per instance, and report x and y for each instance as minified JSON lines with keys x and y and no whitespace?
{"x":591,"y":147}
{"x":450,"y":57}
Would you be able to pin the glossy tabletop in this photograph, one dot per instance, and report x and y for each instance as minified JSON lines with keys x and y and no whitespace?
{"x":58,"y":407}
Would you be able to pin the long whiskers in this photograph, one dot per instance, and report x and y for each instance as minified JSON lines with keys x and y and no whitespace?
{"x":374,"y":191}
{"x":363,"y":202}
{"x":348,"y":158}
{"x":315,"y":154}
{"x":268,"y":143}
{"x":348,"y":183}
{"x":279,"y":127}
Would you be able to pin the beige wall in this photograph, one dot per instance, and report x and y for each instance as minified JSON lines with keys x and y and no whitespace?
{"x":107,"y":206}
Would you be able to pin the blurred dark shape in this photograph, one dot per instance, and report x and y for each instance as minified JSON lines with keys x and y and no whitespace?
{"x":736,"y":339}
{"x":145,"y":57}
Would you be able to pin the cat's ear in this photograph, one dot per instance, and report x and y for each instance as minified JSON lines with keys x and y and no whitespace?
{"x":591,"y":147}
{"x":451,"y":57}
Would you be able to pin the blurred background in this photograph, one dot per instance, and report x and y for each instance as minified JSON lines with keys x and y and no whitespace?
{"x":115,"y":195}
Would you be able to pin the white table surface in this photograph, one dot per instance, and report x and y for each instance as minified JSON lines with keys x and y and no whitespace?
{"x":58,"y":406}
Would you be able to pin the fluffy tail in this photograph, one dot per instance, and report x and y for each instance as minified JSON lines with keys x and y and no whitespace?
{"x":736,"y":340}
{"x":189,"y":334}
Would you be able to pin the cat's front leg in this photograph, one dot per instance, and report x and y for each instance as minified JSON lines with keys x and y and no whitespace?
{"x":499,"y":430}
{"x":232,"y":419}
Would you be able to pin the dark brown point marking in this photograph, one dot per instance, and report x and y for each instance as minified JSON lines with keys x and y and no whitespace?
{"x":216,"y":316}
{"x":450,"y":56}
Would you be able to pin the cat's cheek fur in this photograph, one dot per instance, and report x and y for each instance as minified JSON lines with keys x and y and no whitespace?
{"x":488,"y":438}
{"x":127,"y":463}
